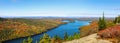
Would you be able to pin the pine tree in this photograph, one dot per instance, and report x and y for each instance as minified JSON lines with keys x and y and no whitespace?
{"x":2,"y":19}
{"x":118,"y":19}
{"x":102,"y":23}
{"x":66,"y":36}
{"x":76,"y":36}
{"x":115,"y":21}
{"x":24,"y":41}
{"x":45,"y":39}
{"x":29,"y":40}
{"x":70,"y":38}
{"x":56,"y":37}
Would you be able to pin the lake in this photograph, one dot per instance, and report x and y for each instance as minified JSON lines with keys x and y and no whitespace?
{"x":70,"y":28}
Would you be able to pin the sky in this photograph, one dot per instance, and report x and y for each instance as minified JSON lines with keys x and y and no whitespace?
{"x":61,"y":8}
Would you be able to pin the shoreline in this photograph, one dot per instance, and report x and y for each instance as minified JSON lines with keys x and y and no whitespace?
{"x":38,"y":33}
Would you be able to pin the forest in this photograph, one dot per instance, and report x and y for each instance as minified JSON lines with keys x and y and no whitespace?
{"x":11,"y":28}
{"x":93,"y":27}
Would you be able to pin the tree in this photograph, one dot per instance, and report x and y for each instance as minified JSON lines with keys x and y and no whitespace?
{"x":102,"y":23}
{"x":70,"y":38}
{"x":56,"y":37}
{"x":117,"y":20}
{"x":24,"y":41}
{"x":29,"y":40}
{"x":76,"y":36}
{"x":66,"y":36}
{"x":45,"y":39}
{"x":1,"y":19}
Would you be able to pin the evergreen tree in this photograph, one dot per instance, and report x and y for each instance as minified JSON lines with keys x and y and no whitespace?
{"x":66,"y":36}
{"x":115,"y":21}
{"x":118,"y":19}
{"x":70,"y":38}
{"x":56,"y":37}
{"x":24,"y":41}
{"x":102,"y":23}
{"x":29,"y":40}
{"x":2,"y":19}
{"x":45,"y":39}
{"x":76,"y":36}
{"x":99,"y":23}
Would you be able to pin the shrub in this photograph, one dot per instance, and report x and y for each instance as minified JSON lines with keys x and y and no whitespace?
{"x":110,"y":32}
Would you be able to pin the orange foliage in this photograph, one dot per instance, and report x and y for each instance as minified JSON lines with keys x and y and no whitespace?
{"x":89,"y":29}
{"x":94,"y":24}
{"x":25,"y":27}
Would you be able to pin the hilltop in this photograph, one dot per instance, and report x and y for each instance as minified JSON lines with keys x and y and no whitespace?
{"x":93,"y":38}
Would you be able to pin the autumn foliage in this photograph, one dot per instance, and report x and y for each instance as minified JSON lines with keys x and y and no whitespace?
{"x":110,"y":32}
{"x":89,"y":29}
{"x":18,"y":27}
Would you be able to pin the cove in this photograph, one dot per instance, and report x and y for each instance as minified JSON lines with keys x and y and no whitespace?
{"x":70,"y":28}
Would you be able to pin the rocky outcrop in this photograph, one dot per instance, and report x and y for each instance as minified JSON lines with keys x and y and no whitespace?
{"x":89,"y":39}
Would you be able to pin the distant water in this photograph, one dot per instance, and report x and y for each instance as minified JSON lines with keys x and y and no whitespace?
{"x":70,"y":28}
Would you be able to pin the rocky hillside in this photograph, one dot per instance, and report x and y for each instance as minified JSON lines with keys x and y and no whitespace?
{"x":108,"y":35}
{"x":93,"y":38}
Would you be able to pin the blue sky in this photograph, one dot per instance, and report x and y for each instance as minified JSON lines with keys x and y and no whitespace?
{"x":64,"y":8}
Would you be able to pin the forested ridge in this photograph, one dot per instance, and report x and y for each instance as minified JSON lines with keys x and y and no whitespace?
{"x":18,"y":27}
{"x":11,"y":28}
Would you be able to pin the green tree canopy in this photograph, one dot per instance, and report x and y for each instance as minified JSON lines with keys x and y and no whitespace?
{"x":24,"y":41}
{"x":29,"y":40}
{"x":65,"y":36}
{"x":45,"y":39}
{"x":102,"y":23}
{"x":76,"y":36}
{"x":117,"y":20}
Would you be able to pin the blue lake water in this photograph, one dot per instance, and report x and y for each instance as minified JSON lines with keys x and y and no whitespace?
{"x":70,"y":28}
